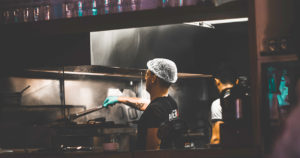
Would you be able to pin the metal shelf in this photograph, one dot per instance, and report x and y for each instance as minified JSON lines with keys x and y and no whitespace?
{"x":278,"y":58}
{"x":91,"y":72}
{"x":137,"y":18}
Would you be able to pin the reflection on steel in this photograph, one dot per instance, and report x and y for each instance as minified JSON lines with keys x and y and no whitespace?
{"x":28,"y":11}
{"x":88,"y":73}
{"x":136,"y":76}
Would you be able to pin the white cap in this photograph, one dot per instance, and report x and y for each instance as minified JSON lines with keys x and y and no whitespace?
{"x":164,"y":69}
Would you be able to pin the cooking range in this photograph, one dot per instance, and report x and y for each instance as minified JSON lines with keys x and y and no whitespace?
{"x":79,"y":123}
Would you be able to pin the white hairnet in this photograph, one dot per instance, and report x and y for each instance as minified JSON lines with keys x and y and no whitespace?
{"x":164,"y":69}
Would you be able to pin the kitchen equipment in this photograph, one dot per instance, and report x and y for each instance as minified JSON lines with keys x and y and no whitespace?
{"x":31,"y":126}
{"x":36,"y":114}
{"x":98,"y":137}
{"x":14,"y":98}
{"x":83,"y":113}
{"x":95,"y":135}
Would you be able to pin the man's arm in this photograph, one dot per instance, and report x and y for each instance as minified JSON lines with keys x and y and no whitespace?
{"x":215,"y":137}
{"x":138,"y":103}
{"x":216,"y":115}
{"x":152,"y":141}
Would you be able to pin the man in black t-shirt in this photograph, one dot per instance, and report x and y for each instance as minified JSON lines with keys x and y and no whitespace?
{"x":160,"y":75}
{"x":225,"y":79}
{"x":159,"y":110}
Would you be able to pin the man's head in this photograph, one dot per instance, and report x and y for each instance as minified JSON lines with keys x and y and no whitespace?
{"x":161,"y":72}
{"x":225,"y":77}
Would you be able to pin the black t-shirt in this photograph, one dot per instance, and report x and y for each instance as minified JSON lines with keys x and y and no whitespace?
{"x":158,"y":111}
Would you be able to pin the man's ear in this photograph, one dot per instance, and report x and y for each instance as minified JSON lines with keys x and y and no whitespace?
{"x":237,"y":81}
{"x":153,"y":78}
{"x":217,"y":81}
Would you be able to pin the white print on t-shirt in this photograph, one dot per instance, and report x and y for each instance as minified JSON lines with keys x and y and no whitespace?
{"x":173,"y":115}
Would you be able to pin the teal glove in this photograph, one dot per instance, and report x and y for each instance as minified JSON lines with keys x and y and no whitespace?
{"x":110,"y":100}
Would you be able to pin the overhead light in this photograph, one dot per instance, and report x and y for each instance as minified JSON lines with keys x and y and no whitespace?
{"x":210,"y":23}
{"x":202,"y":24}
{"x":223,"y":21}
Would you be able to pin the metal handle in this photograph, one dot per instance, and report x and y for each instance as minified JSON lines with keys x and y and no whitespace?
{"x":80,"y":114}
{"x":25,"y":89}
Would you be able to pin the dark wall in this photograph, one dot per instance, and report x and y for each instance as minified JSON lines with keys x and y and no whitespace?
{"x":227,"y":43}
{"x":295,"y":29}
{"x":20,"y":50}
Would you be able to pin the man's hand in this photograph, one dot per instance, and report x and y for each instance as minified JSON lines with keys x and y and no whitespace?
{"x":110,"y":101}
{"x":138,"y":103}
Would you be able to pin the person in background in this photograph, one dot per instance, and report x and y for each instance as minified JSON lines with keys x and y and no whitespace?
{"x":224,"y":80}
{"x":161,"y":73}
